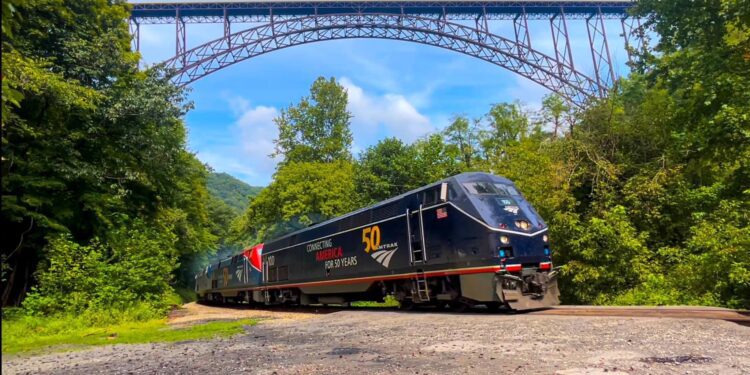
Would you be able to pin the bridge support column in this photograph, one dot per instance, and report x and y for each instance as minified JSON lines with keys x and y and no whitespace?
{"x":635,"y":39}
{"x":227,"y":24}
{"x":135,"y":35}
{"x":227,"y":28}
{"x":482,"y":25}
{"x":180,"y":36}
{"x":603,"y":71}
{"x":521,"y":29}
{"x":561,"y":40}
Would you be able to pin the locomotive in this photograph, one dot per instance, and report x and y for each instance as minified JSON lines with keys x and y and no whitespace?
{"x":470,"y":239}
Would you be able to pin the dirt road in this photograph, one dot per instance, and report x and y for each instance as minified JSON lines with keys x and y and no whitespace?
{"x":386,"y":342}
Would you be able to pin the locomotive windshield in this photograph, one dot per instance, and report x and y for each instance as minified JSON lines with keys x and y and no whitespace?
{"x":502,"y":204}
{"x":486,"y":188}
{"x":501,"y":192}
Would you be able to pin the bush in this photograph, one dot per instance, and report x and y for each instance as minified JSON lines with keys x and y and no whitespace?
{"x":134,"y":266}
{"x":606,"y":259}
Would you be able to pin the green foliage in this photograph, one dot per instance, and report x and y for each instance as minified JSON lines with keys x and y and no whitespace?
{"x":386,"y":170}
{"x":317,"y":128}
{"x":94,"y":157}
{"x":388,"y":301}
{"x":462,"y":141}
{"x":607,"y":258}
{"x":508,"y":124}
{"x":235,"y":193}
{"x":135,"y":265}
{"x":554,"y":111}
{"x":30,"y":334}
{"x":300,"y":194}
{"x":704,"y":65}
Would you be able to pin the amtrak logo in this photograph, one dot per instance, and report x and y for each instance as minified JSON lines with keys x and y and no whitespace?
{"x":384,"y":256}
{"x":512,"y":209}
{"x":238,"y":272}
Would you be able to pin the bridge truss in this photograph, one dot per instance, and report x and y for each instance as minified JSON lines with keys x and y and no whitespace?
{"x":461,"y":26}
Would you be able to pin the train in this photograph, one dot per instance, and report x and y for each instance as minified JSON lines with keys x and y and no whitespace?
{"x":467,"y":240}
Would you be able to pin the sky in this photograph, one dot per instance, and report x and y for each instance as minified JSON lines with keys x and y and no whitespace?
{"x":396,"y":89}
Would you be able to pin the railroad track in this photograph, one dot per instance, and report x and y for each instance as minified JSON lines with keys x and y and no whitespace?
{"x":741,"y":317}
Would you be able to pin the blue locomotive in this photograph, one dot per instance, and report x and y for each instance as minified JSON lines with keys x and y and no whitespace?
{"x":470,"y":239}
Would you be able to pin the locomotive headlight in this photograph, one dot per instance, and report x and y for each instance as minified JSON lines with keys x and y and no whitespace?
{"x":545,"y":238}
{"x":504,"y":240}
{"x":523,"y":224}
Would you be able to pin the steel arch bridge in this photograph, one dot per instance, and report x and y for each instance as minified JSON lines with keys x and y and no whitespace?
{"x":283,"y":24}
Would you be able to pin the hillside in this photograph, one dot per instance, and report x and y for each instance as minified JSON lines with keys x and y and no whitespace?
{"x":231,"y":190}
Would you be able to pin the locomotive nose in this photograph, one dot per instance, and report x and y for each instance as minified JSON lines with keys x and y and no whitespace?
{"x":527,"y":288}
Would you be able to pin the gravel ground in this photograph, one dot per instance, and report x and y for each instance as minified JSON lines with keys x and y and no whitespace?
{"x":194,"y":313}
{"x":386,"y":342}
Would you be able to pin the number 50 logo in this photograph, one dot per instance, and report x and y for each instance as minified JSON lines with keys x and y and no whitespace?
{"x":371,"y":238}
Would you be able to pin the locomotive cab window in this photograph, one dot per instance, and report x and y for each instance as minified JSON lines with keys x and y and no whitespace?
{"x":430,"y":197}
{"x":504,"y":189}
{"x":435,"y":195}
{"x":480,"y":188}
{"x":486,"y":188}
{"x":501,"y":194}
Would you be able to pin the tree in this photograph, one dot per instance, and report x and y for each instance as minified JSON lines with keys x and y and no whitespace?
{"x":703,"y":63}
{"x":507,"y":125}
{"x":435,"y":159}
{"x":461,"y":137}
{"x":553,"y":110}
{"x":385,"y":170}
{"x":317,"y":128}
{"x":91,"y":145}
{"x":301,"y":194}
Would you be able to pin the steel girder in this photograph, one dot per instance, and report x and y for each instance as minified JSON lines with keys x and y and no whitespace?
{"x":603,"y":70}
{"x":521,"y":30}
{"x":561,"y":39}
{"x":180,"y":36}
{"x":259,"y":11}
{"x":135,"y":35}
{"x":468,"y":16}
{"x":635,"y":37}
{"x":516,"y":57}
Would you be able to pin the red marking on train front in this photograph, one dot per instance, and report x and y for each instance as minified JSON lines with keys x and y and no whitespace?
{"x":513,"y":267}
{"x":253,"y":255}
{"x":545,"y":266}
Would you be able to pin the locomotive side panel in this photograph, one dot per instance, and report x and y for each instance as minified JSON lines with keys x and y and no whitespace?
{"x":380,"y":248}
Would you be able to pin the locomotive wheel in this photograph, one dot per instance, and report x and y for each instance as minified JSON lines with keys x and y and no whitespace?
{"x":493,"y":307}
{"x":406,"y":305}
{"x":459,"y":307}
{"x":218,"y":298}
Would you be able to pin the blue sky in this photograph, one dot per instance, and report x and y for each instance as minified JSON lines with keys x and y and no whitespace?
{"x":396,"y":88}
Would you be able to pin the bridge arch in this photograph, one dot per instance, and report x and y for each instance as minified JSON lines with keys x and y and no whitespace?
{"x":543,"y":69}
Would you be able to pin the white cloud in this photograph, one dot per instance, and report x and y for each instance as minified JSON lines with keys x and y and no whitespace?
{"x":392,"y":114}
{"x":222,"y":162}
{"x":374,"y":116}
{"x":247,"y":154}
{"x":257,"y":132}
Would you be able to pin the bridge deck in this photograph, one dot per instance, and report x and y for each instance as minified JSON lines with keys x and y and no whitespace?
{"x":215,"y":11}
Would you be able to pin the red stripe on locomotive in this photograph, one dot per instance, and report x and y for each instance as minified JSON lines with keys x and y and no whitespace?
{"x":253,"y":255}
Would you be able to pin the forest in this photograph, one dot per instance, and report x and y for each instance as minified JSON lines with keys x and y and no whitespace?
{"x":106,"y":212}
